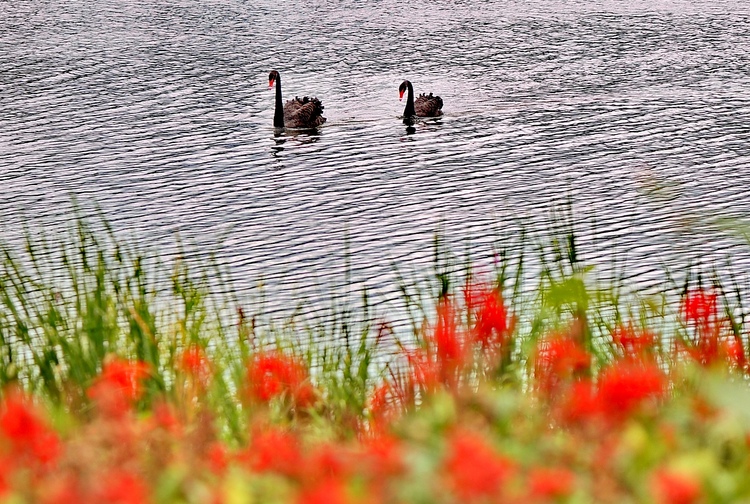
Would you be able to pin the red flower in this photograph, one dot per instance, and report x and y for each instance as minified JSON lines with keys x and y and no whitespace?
{"x":425,"y":372}
{"x":327,"y":491}
{"x":491,"y":321}
{"x":735,"y":352}
{"x":273,"y":374}
{"x":62,"y":488}
{"x":473,"y":469}
{"x":5,"y":471}
{"x":705,"y":348}
{"x":164,"y":417}
{"x":274,"y":450}
{"x":580,"y":403}
{"x":446,"y":343}
{"x":699,"y":306}
{"x":328,"y":460}
{"x":560,"y":358}
{"x":380,"y":462}
{"x":440,"y":362}
{"x":26,"y":431}
{"x":382,"y":457}
{"x":549,"y":483}
{"x":633,"y":342}
{"x":378,"y":403}
{"x":675,"y":488}
{"x":118,"y":386}
{"x":625,"y":385}
{"x":217,"y":457}
{"x":381,"y":407}
{"x":122,"y":487}
{"x":126,"y":375}
{"x":194,"y":362}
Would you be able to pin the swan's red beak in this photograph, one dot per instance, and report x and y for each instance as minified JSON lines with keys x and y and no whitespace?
{"x":400,"y":95}
{"x":270,"y":82}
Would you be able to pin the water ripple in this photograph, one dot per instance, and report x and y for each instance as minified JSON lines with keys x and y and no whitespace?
{"x":160,"y":115}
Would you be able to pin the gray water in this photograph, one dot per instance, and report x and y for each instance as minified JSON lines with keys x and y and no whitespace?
{"x":159,"y":114}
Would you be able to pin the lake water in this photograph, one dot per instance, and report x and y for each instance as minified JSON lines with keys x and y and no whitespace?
{"x":159,"y":113}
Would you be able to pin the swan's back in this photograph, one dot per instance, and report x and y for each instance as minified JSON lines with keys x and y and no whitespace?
{"x":304,"y":112}
{"x":428,"y":105}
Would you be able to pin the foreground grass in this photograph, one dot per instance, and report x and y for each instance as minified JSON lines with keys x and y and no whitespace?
{"x":121,"y":383}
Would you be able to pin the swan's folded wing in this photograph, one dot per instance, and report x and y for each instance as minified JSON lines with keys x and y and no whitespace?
{"x":303,"y":113}
{"x":428,"y":105}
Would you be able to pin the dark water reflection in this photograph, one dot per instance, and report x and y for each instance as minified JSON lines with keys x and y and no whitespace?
{"x":160,"y":114}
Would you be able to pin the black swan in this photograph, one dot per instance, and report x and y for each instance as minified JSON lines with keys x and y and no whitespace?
{"x":304,"y":112}
{"x":423,"y":106}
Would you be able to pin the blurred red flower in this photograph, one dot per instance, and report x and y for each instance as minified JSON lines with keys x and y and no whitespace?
{"x":580,"y":403}
{"x":326,"y":491}
{"x":165,"y":417}
{"x":274,"y":450}
{"x":119,"y":385}
{"x":329,"y":460}
{"x":671,"y":487}
{"x":446,"y":342}
{"x":492,"y":324}
{"x":194,"y":362}
{"x":735,"y":352}
{"x":472,"y":468}
{"x":699,"y":306}
{"x":550,"y":483}
{"x":273,"y":374}
{"x":379,"y":406}
{"x":5,"y":467}
{"x":632,"y":341}
{"x":119,"y":486}
{"x":708,"y":346}
{"x":382,"y":457}
{"x":26,"y":431}
{"x":441,"y":359}
{"x":217,"y":457}
{"x":62,"y":488}
{"x":425,"y":373}
{"x":624,"y":386}
{"x":559,"y":359}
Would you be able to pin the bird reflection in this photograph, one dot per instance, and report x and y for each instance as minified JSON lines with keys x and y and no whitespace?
{"x":411,"y":126}
{"x":281,"y":136}
{"x":279,"y":141}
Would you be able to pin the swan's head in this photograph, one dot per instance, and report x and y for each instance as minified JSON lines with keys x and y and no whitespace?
{"x":402,"y":89}
{"x":272,"y":78}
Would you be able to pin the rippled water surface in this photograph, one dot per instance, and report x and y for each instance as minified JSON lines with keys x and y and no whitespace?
{"x":160,"y":114}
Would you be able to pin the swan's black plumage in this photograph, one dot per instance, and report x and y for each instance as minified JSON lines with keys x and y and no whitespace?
{"x":306,"y":112}
{"x":423,"y":106}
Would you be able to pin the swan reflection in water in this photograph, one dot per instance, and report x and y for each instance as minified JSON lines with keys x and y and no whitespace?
{"x":301,"y":137}
{"x":424,"y":123}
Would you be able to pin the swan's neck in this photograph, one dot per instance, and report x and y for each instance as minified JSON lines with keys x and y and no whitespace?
{"x":278,"y":115}
{"x":409,"y":111}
